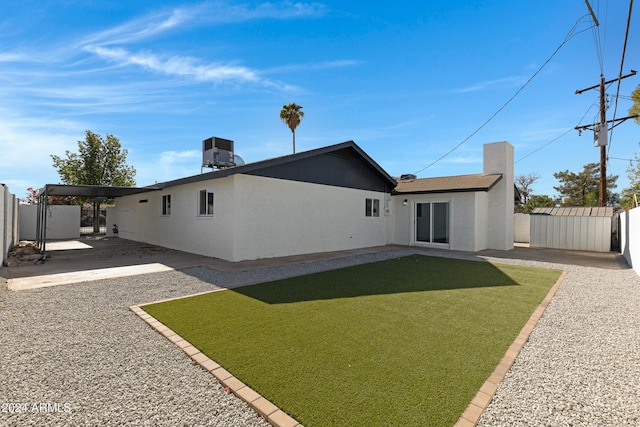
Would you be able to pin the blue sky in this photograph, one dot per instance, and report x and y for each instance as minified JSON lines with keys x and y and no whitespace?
{"x":407,"y":81}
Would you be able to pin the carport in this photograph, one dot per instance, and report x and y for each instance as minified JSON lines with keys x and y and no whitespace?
{"x":95,"y":193}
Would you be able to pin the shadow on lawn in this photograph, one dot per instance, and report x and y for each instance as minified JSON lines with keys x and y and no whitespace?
{"x":415,"y":273}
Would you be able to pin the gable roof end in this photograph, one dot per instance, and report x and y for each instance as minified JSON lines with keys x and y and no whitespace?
{"x":283,"y":167}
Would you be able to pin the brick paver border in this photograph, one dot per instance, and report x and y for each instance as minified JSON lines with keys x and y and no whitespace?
{"x":267,"y":410}
{"x":471,"y":415}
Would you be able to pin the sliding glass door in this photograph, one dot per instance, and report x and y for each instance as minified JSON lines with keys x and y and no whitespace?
{"x":432,"y":222}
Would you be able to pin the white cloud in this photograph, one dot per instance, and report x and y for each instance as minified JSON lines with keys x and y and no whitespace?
{"x":471,"y":159}
{"x":27,"y":146}
{"x":107,"y":44}
{"x":13,"y":57}
{"x":342,"y":63}
{"x":176,"y":65}
{"x":168,"y":158}
{"x":188,"y":67}
{"x":490,"y":84}
{"x":207,"y":13}
{"x":141,"y":28}
{"x":165,"y":166}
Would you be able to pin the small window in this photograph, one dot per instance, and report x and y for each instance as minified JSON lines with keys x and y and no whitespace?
{"x":205,"y":202}
{"x":166,"y":205}
{"x":372,"y":207}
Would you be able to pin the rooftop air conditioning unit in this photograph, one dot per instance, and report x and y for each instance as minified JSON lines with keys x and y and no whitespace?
{"x":217,"y":153}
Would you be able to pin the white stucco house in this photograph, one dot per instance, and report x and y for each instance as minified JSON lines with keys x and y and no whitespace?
{"x":327,"y":199}
{"x":463,"y":212}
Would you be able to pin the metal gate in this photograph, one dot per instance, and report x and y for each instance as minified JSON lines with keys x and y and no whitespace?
{"x":86,"y":220}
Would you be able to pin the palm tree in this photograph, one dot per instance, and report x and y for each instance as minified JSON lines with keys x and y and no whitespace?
{"x":291,"y":115}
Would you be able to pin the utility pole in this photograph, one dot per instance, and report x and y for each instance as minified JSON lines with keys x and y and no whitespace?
{"x":600,"y":132}
{"x":603,"y":147}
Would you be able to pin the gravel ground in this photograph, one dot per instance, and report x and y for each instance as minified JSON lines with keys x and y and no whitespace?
{"x":75,"y":355}
{"x":581,"y":365}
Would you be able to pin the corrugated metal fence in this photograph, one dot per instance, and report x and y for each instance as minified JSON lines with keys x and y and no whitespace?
{"x":579,"y":229}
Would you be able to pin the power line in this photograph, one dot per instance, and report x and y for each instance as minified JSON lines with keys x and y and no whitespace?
{"x":595,"y":30}
{"x":557,"y":138}
{"x":624,"y":50}
{"x":543,"y":146}
{"x":568,"y":37}
{"x":618,"y":158}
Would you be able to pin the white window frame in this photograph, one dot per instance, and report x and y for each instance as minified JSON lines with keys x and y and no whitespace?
{"x":207,"y":209}
{"x":371,"y":207}
{"x":414,"y":222}
{"x":166,"y":205}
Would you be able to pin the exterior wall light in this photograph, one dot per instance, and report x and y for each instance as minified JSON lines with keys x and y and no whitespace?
{"x":404,"y":202}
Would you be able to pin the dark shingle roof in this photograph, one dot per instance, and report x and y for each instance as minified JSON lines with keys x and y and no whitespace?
{"x":448,"y":184}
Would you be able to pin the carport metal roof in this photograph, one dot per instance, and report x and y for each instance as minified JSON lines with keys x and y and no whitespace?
{"x":89,"y":191}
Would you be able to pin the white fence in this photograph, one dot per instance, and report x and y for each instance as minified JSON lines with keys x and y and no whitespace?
{"x":521,"y":228}
{"x":8,"y":221}
{"x":63,"y":222}
{"x":630,"y":237}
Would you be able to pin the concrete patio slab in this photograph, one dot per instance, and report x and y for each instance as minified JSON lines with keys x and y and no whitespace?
{"x":43,"y":281}
{"x":66,"y":245}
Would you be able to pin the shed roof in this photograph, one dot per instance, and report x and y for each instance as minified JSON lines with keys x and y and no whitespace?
{"x":575,"y":211}
{"x":448,"y":184}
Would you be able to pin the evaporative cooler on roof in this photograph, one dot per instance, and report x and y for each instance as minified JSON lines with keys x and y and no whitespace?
{"x":217,"y":153}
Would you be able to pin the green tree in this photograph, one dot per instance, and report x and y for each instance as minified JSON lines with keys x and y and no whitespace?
{"x":291,"y":114}
{"x":583,"y":188}
{"x":99,"y":161}
{"x":627,"y":200}
{"x":635,"y":109}
{"x":541,"y":201}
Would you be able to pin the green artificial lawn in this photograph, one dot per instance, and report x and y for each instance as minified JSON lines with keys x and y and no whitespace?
{"x":404,"y":342}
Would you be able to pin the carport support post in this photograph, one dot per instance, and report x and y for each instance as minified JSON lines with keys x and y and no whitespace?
{"x":38,"y":216}
{"x":41,"y":221}
{"x":96,"y":217}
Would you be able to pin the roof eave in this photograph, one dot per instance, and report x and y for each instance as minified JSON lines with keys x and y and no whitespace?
{"x":457,"y":190}
{"x":453,"y":190}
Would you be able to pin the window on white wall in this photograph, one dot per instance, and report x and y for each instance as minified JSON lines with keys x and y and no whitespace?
{"x":205,"y":202}
{"x":372,"y":207}
{"x":166,"y":205}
